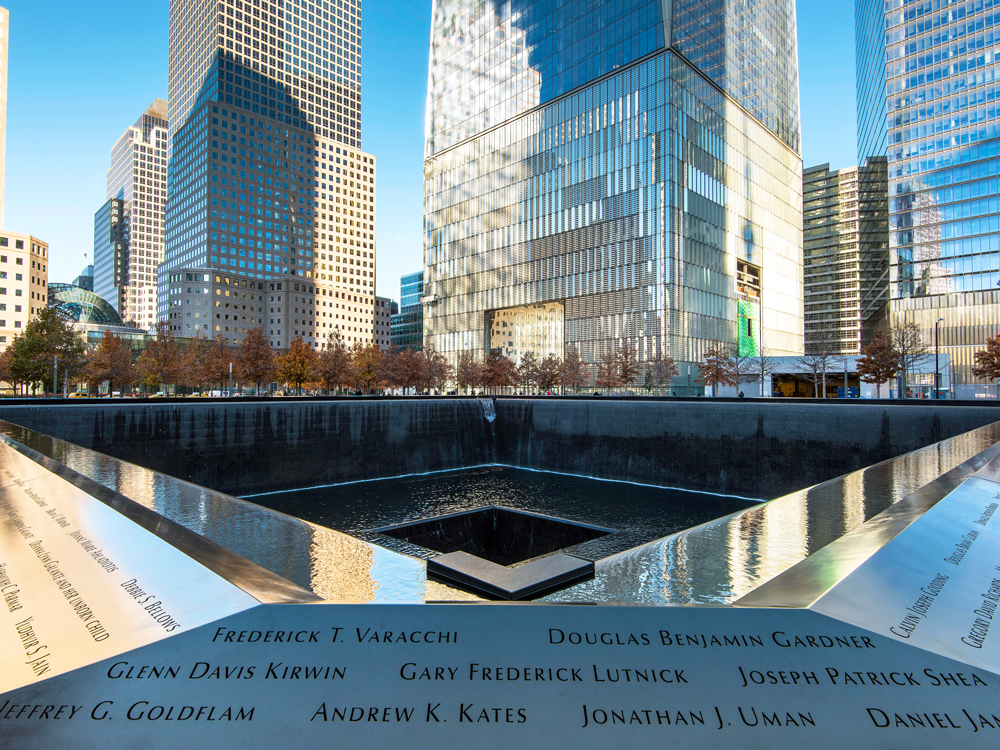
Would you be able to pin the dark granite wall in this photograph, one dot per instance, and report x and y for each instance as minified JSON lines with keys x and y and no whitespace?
{"x":757,"y":449}
{"x":243,"y":448}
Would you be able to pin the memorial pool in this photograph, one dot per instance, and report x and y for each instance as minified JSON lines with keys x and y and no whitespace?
{"x":634,"y":513}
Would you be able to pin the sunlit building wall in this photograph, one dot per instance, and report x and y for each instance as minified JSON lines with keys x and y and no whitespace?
{"x":128,"y":228}
{"x":271,"y":201}
{"x":24,"y":281}
{"x":927,"y":84}
{"x":831,"y":260}
{"x":617,"y":163}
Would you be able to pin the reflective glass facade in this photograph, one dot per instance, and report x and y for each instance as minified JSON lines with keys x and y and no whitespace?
{"x":111,"y":250}
{"x":942,"y":139}
{"x":873,"y":244}
{"x":869,"y":48}
{"x":749,"y":47}
{"x":630,"y":199}
{"x":407,"y":325}
{"x":491,"y":61}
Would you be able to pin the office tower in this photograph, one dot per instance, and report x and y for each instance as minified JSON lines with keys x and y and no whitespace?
{"x":24,"y":281}
{"x":111,"y":251}
{"x":86,"y":279}
{"x":831,"y":260}
{"x":271,"y":209}
{"x":605,"y":172}
{"x":128,"y":228}
{"x":384,"y":308}
{"x":926,"y":82}
{"x":873,"y":245}
{"x":4,"y":44}
{"x":408,"y":325}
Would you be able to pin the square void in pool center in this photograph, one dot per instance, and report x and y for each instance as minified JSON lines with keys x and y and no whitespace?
{"x":500,"y":535}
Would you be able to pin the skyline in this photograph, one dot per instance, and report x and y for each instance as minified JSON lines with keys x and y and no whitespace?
{"x":54,"y":192}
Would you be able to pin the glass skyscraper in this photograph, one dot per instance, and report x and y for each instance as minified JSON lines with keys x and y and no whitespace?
{"x":927,"y":86}
{"x":596,"y":172}
{"x":271,"y":208}
{"x":407,"y":326}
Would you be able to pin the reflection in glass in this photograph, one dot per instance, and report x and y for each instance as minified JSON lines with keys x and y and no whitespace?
{"x":531,"y":328}
{"x":572,"y":158}
{"x":927,"y":81}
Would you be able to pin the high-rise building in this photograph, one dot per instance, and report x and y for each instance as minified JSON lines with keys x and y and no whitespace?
{"x":24,"y":281}
{"x":407,"y":326}
{"x":831,"y":260}
{"x":384,"y":308}
{"x":4,"y":44}
{"x":926,"y":82}
{"x":602,"y":172}
{"x":86,"y":279}
{"x":128,"y":228}
{"x":271,"y":210}
{"x":111,"y":251}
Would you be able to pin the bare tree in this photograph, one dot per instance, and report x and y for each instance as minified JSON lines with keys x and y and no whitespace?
{"x":717,"y":369}
{"x":879,"y":363}
{"x":910,"y":349}
{"x":434,"y":369}
{"x":571,"y":374}
{"x":549,"y":370}
{"x":663,"y":368}
{"x":468,"y":372}
{"x":607,"y":370}
{"x":527,"y":371}
{"x":499,"y":371}
{"x":628,"y":363}
{"x":744,"y":367}
{"x":820,"y":357}
{"x":765,"y":365}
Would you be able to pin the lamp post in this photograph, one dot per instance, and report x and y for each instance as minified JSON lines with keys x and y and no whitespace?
{"x":937,"y":367}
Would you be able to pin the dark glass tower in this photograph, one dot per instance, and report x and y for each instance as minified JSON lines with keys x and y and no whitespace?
{"x":407,"y":326}
{"x":927,"y":83}
{"x":602,"y":172}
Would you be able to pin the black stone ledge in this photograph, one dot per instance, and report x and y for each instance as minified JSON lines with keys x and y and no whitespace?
{"x":258,"y":582}
{"x":526,"y":581}
{"x":804,"y":583}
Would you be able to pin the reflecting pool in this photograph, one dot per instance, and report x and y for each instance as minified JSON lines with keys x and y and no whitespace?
{"x":635,"y":514}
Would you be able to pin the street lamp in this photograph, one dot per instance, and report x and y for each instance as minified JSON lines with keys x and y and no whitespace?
{"x":937,"y":367}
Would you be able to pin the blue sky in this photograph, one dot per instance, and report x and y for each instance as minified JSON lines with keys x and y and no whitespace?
{"x":80,"y":73}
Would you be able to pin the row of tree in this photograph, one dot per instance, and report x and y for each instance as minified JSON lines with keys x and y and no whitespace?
{"x":334,"y":368}
{"x":891,"y":352}
{"x":48,"y":343}
{"x":617,"y":367}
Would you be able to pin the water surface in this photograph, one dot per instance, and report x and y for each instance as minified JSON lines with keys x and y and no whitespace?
{"x":636,"y":513}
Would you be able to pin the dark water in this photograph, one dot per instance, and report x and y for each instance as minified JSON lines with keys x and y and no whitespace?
{"x":636,"y":513}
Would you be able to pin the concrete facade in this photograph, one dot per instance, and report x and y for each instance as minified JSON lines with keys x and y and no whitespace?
{"x":24,"y":281}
